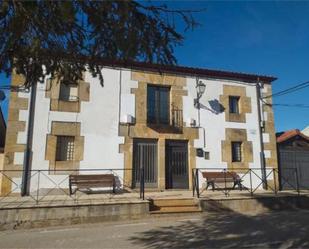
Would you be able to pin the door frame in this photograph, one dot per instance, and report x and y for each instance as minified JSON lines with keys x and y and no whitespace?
{"x":135,"y":182}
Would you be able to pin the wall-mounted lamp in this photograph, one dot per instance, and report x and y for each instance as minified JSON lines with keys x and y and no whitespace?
{"x":200,"y":89}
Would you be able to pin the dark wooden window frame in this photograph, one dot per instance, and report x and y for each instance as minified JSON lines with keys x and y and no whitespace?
{"x":234,"y":104}
{"x":236,"y":148}
{"x":157,"y":118}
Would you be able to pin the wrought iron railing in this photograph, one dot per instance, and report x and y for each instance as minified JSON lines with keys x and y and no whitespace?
{"x":46,"y":183}
{"x":251,"y":180}
{"x":177,"y":118}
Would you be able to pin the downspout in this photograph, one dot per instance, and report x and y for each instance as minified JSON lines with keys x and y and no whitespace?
{"x":119,"y":103}
{"x":261,"y":124}
{"x":28,"y":151}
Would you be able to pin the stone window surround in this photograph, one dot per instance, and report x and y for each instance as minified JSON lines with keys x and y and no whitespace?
{"x":236,"y":135}
{"x":60,"y":128}
{"x":56,"y":104}
{"x":244,"y":103}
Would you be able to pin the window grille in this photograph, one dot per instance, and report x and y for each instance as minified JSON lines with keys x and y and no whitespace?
{"x":236,"y":152}
{"x":234,"y":104}
{"x":65,"y":148}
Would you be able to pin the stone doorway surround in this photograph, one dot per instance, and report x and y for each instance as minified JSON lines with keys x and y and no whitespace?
{"x":141,"y":130}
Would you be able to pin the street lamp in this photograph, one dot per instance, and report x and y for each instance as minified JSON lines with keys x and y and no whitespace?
{"x":200,"y":89}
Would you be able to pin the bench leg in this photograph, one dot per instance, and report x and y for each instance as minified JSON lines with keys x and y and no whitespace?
{"x":70,"y":188}
{"x":213,"y":186}
{"x":114,"y":189}
{"x":238,"y":184}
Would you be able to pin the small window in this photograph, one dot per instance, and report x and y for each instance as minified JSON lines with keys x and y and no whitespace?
{"x":236,"y":152}
{"x":65,"y":148}
{"x":158,"y":107}
{"x":68,"y":92}
{"x":234,"y":104}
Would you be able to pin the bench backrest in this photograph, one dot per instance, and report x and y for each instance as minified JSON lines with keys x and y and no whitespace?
{"x":90,"y":178}
{"x":220,"y":175}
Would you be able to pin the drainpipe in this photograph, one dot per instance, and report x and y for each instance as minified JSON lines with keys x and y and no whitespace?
{"x":119,"y":103}
{"x":262,"y":156}
{"x":28,"y":151}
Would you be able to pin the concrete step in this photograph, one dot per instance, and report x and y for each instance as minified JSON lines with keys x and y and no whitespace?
{"x":187,"y":209}
{"x":183,"y":205}
{"x":174,"y":202}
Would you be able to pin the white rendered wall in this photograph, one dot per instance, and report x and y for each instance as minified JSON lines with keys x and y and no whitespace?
{"x":214,"y":124}
{"x":99,"y":125}
{"x":100,"y":116}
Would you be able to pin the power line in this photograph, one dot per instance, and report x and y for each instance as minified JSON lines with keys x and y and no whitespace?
{"x":289,"y":90}
{"x":292,"y":105}
{"x":286,"y":105}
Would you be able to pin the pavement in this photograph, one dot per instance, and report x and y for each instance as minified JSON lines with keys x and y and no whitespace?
{"x":285,"y":229}
{"x":80,"y":198}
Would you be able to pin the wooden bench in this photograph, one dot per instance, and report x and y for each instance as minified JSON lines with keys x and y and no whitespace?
{"x":222,"y":177}
{"x":91,"y":181}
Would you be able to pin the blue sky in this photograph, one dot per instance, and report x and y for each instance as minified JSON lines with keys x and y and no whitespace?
{"x":265,"y":37}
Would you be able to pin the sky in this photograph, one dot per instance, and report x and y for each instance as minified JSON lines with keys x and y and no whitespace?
{"x":266,"y":37}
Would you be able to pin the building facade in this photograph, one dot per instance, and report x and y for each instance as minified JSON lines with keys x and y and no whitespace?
{"x":145,"y":116}
{"x":306,"y":131}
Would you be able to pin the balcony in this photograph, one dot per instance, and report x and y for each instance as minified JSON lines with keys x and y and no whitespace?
{"x":172,"y":123}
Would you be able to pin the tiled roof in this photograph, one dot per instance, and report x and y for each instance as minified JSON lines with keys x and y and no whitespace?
{"x":289,"y":134}
{"x":189,"y":71}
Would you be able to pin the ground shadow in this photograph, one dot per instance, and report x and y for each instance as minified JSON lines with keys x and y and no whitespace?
{"x":232,"y":230}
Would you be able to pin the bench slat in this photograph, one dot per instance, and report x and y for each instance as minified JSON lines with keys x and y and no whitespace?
{"x":92,"y":181}
{"x":221,"y":177}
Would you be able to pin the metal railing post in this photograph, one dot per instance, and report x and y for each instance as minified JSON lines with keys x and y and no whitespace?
{"x":250,"y":181}
{"x":142,"y":184}
{"x":275,"y":184}
{"x":38,"y":187}
{"x":297,"y":182}
{"x":197,"y":184}
{"x":225,"y":191}
{"x":193,"y":182}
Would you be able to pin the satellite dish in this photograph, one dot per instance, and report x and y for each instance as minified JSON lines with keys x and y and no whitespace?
{"x":2,"y":95}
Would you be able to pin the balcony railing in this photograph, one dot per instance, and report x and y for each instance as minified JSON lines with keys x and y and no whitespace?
{"x":177,"y":119}
{"x":172,"y":122}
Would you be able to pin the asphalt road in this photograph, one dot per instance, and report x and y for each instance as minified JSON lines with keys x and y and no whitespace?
{"x":288,"y":229}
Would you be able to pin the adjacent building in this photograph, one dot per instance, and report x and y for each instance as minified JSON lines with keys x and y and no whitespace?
{"x":165,"y":119}
{"x":306,"y":131}
{"x":293,"y":155}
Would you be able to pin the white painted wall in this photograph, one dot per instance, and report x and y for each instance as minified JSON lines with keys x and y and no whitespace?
{"x":99,"y":125}
{"x":214,"y":124}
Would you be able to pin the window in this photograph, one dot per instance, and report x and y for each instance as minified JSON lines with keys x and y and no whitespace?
{"x":234,"y":104}
{"x":68,"y":92}
{"x":236,"y":151}
{"x":65,"y":148}
{"x":158,"y":106}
